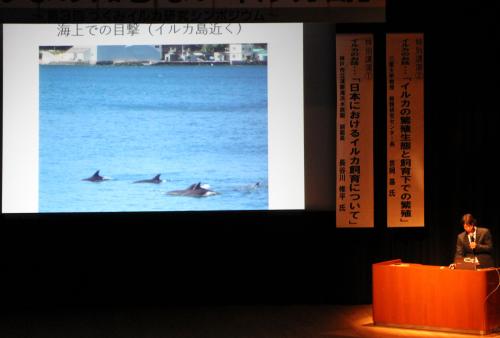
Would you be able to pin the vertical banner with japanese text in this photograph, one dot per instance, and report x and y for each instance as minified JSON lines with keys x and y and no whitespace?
{"x":354,"y":160}
{"x":405,"y":130}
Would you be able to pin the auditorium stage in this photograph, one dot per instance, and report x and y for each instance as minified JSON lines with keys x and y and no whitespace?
{"x":291,"y":321}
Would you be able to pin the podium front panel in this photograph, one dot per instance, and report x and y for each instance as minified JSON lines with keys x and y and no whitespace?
{"x":433,"y":297}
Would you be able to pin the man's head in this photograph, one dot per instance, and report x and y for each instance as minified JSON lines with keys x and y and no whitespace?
{"x":469,"y":223}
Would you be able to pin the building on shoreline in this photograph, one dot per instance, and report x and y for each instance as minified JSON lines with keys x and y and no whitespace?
{"x":67,"y":55}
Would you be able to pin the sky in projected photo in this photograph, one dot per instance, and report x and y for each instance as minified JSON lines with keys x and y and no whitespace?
{"x":192,"y":114}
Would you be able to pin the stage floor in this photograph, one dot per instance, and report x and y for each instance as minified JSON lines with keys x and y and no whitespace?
{"x":295,"y":321}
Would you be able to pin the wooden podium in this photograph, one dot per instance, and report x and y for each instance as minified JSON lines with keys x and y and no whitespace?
{"x":436,"y":298}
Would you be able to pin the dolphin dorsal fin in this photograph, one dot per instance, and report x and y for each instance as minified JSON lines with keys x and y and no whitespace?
{"x":157,"y":177}
{"x":96,"y":174}
{"x":198,"y":186}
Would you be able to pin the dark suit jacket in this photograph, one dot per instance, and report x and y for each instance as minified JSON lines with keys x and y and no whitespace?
{"x":483,"y":250}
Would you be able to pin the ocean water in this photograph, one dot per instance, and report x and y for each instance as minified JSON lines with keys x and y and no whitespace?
{"x":188,"y":123}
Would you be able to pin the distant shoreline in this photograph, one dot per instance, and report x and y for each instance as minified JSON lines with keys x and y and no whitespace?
{"x":160,"y":63}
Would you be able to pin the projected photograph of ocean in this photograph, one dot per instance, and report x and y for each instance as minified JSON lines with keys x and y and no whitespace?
{"x":193,"y":122}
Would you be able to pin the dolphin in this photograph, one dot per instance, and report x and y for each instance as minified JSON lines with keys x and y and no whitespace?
{"x":95,"y":178}
{"x":155,"y":180}
{"x":194,"y":190}
{"x":249,"y":187}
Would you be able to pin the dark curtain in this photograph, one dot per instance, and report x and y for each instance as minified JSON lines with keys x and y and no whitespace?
{"x":288,"y":257}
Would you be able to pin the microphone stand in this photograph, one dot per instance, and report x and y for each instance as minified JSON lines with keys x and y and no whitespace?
{"x":473,"y":253}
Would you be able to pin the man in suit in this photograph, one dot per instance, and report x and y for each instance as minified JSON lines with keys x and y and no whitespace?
{"x":475,"y":242}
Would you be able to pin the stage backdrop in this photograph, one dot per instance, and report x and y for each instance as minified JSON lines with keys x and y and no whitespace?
{"x":354,"y":160}
{"x":405,"y":130}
